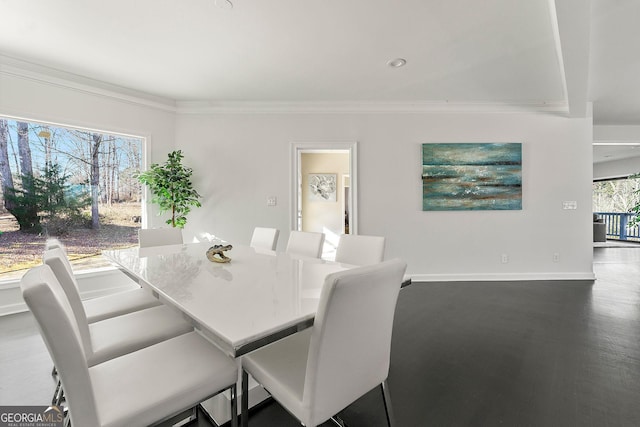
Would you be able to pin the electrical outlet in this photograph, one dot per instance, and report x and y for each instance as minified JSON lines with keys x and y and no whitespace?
{"x":272,"y":201}
{"x":556,"y":257}
{"x":505,"y":258}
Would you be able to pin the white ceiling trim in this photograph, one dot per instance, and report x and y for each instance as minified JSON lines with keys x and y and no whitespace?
{"x":52,"y":77}
{"x":571,"y":27}
{"x":553,"y":16}
{"x":239,"y":107}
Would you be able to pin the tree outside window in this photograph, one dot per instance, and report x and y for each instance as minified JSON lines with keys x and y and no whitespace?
{"x":73,"y":184}
{"x":616,"y":195}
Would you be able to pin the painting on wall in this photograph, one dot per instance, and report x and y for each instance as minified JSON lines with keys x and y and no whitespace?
{"x":471,"y":176}
{"x":322,"y":187}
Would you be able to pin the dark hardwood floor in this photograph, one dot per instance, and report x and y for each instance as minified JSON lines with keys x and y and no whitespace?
{"x":536,"y":353}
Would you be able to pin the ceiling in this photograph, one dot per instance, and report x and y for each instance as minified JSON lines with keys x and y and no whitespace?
{"x":501,"y":52}
{"x":608,"y":153}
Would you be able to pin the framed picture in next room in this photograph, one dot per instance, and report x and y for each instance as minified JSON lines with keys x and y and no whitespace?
{"x":471,"y":176}
{"x":322,"y":187}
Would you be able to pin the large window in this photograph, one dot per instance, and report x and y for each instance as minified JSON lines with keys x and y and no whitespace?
{"x":74,"y":184}
{"x":616,"y":195}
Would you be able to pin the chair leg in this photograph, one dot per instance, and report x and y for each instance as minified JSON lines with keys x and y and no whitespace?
{"x":54,"y":400}
{"x":60,"y":397}
{"x":337,"y":421}
{"x":234,"y":406}
{"x":387,"y":403}
{"x":244,"y":406}
{"x":194,"y":415}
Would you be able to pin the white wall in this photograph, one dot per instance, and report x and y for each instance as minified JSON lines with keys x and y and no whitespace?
{"x":241,"y":159}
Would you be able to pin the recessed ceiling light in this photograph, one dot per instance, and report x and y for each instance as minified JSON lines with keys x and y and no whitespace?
{"x":224,"y":4}
{"x":397,"y":63}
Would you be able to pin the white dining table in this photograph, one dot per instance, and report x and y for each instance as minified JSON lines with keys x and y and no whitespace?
{"x":257,"y":298}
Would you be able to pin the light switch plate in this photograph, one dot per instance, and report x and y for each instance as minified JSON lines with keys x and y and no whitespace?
{"x":570,"y":205}
{"x":272,"y":201}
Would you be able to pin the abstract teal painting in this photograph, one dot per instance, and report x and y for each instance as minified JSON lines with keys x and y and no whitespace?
{"x":471,"y":176}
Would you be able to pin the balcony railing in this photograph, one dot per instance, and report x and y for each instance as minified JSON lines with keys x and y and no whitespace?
{"x":618,"y":226}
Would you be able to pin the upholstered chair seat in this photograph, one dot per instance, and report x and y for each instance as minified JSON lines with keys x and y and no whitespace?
{"x":120,"y":303}
{"x":153,"y":383}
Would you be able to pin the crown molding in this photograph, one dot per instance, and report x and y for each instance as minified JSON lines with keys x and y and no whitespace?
{"x":18,"y":68}
{"x":249,"y":107}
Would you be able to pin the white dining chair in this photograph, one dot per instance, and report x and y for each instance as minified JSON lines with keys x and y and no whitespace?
{"x":305,"y":243}
{"x":360,"y":249}
{"x":53,"y":242}
{"x":108,"y":306}
{"x":264,"y":238}
{"x":318,"y":372}
{"x":148,"y":237}
{"x":115,"y":336}
{"x":136,"y":389}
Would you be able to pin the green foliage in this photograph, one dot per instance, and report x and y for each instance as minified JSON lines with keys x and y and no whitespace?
{"x":171,"y":188}
{"x":617,"y":195}
{"x":26,"y":203}
{"x":636,"y":208}
{"x":49,"y":198}
{"x":58,"y":197}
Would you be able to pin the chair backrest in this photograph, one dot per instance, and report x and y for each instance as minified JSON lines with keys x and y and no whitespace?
{"x":53,"y":243}
{"x":305,"y":243}
{"x":351,"y":336}
{"x":54,"y":316}
{"x":57,"y":260}
{"x":159,"y":237}
{"x":264,"y":238}
{"x":360,"y":250}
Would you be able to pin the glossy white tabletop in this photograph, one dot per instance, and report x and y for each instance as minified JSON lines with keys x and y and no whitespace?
{"x":238,"y":304}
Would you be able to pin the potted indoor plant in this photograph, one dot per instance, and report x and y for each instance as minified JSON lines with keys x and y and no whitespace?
{"x":171,"y":188}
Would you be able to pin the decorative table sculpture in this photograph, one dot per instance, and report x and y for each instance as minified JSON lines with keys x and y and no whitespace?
{"x":216,"y":253}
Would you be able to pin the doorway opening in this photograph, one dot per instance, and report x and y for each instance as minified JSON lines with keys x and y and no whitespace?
{"x":616,"y":193}
{"x":324,"y":191}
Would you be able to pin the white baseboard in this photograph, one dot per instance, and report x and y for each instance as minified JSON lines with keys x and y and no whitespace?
{"x":105,"y":281}
{"x":92,"y":283}
{"x":504,"y":277}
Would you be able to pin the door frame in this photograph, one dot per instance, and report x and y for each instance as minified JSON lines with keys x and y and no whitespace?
{"x":297,"y":148}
